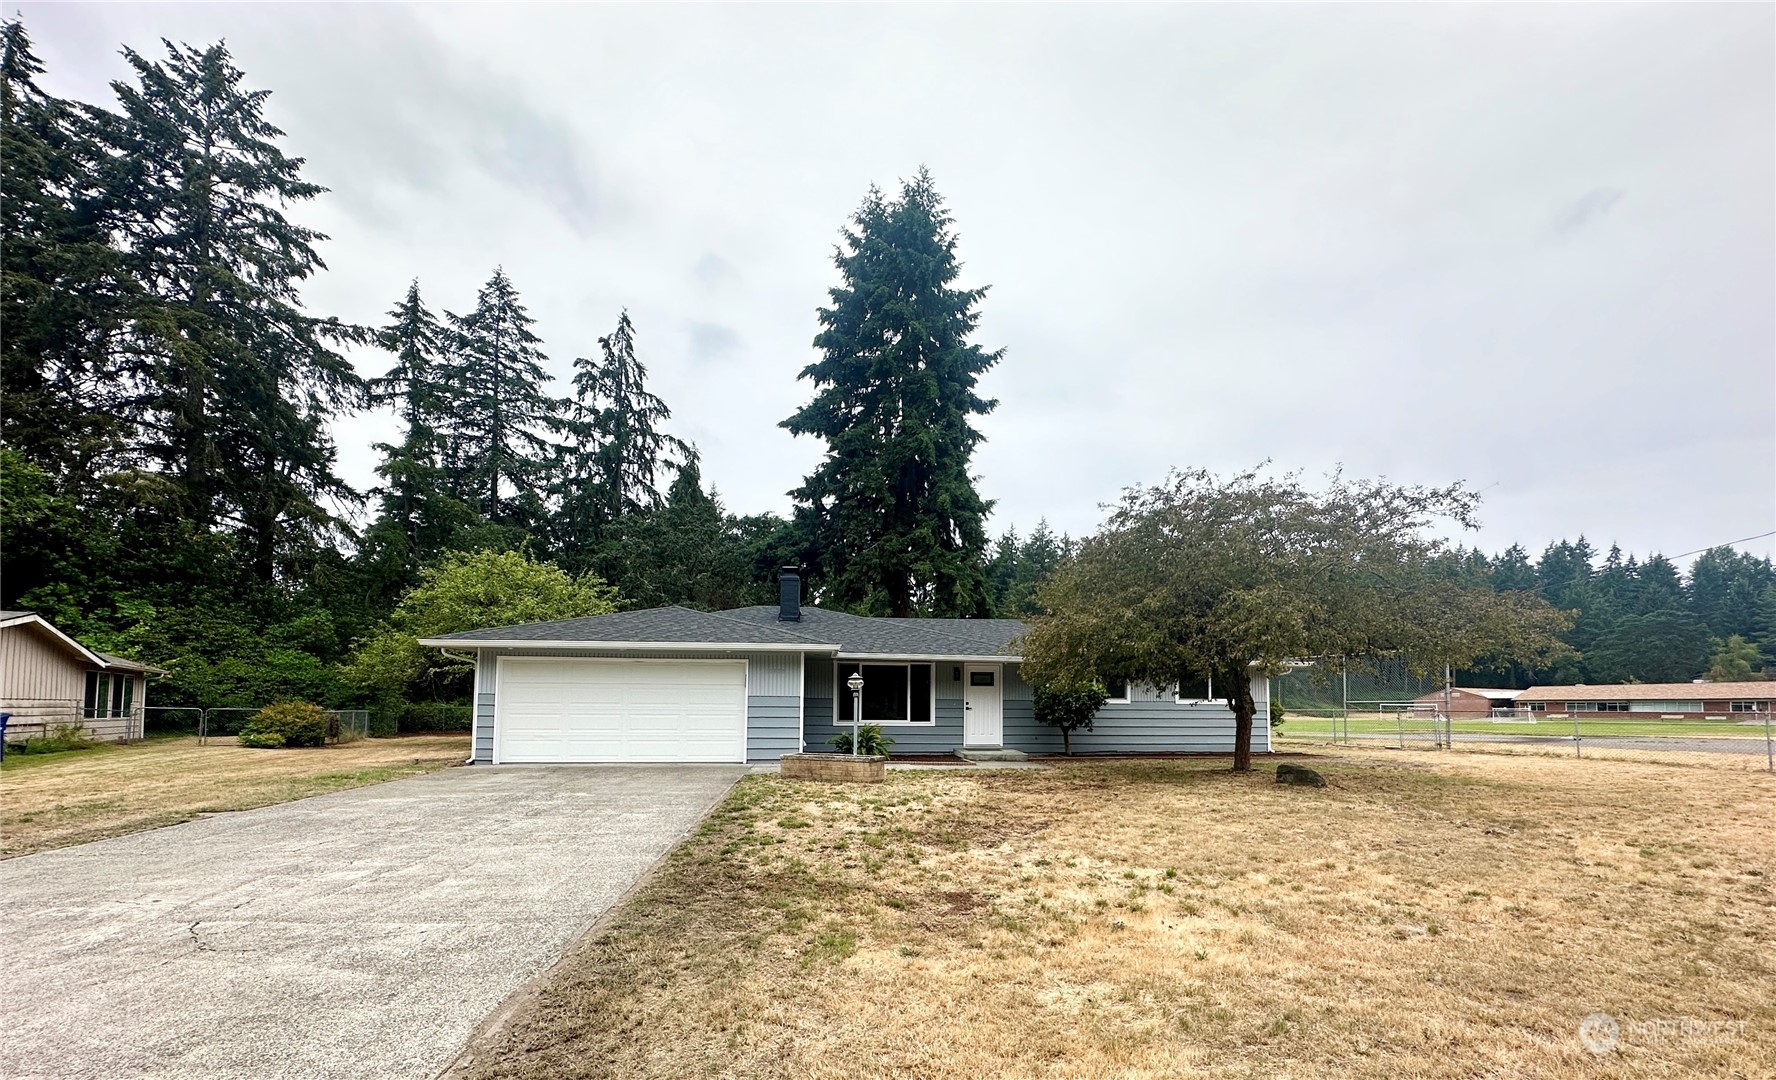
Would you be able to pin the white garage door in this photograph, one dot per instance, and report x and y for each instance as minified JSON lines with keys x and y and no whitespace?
{"x":560,"y":709}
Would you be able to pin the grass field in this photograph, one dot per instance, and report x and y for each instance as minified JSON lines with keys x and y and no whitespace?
{"x":1295,"y":724}
{"x":1447,"y":918}
{"x":54,"y":800}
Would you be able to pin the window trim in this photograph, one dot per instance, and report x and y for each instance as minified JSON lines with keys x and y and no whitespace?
{"x":839,"y":688}
{"x":1210,"y":700}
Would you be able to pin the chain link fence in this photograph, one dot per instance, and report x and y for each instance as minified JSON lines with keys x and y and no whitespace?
{"x":343,"y":725}
{"x":1736,"y":741}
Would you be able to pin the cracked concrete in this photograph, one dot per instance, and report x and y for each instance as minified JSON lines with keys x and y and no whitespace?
{"x":364,"y":933}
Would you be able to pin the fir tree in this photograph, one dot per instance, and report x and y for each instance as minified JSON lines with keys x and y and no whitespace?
{"x":496,"y":457}
{"x":239,"y":381}
{"x":418,"y":515}
{"x":616,"y":452}
{"x":894,"y":522}
{"x":62,"y":296}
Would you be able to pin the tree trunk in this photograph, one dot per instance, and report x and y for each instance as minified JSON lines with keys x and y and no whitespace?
{"x":1238,"y":680}
{"x":1066,"y":740}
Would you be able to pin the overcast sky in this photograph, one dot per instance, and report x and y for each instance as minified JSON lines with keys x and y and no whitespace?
{"x":1529,"y":247}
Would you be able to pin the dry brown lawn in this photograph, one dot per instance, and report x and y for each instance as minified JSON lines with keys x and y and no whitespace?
{"x":1423,"y":916}
{"x":61,"y":799}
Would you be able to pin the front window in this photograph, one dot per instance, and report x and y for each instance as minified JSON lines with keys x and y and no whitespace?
{"x":1201,"y":688}
{"x":1748,"y":706}
{"x":1596,"y":706}
{"x":892,"y":693}
{"x":1116,"y":689}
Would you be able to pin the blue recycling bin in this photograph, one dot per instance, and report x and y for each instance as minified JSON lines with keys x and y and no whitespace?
{"x":4,"y":717}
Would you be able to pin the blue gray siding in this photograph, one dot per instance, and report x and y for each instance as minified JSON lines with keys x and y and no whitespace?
{"x":773,"y":689}
{"x":939,"y":737}
{"x":1151,"y":722}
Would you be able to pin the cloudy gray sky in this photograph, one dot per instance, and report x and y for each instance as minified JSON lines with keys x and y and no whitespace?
{"x":1532,"y":247}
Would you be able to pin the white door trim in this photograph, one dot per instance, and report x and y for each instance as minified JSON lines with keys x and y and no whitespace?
{"x":499,"y":682}
{"x":996,"y":699}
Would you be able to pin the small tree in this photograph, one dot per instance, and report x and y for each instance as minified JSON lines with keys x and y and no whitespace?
{"x":1232,"y":577}
{"x":1070,"y":706}
{"x":466,"y":592}
{"x":1734,"y":661}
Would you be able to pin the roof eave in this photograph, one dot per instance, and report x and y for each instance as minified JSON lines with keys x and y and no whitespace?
{"x":634,"y":646}
{"x":965,"y":658}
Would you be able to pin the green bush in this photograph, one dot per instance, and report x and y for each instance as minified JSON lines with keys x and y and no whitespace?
{"x":870,"y":740}
{"x":384,"y":723}
{"x":433,"y":716}
{"x":62,"y":739}
{"x":288,"y":723}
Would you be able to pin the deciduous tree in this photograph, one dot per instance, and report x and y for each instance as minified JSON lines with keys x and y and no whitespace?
{"x":1232,"y":577}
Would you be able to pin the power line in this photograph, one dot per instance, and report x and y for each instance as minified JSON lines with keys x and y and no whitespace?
{"x":1729,"y":543}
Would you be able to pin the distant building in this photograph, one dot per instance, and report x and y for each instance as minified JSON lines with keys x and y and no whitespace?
{"x":1691,"y":700}
{"x":1470,"y":700}
{"x":48,"y":680}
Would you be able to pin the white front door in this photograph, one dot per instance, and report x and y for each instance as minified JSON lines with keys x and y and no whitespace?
{"x":983,"y":713}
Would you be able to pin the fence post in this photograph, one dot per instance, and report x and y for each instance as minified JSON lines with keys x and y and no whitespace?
{"x":1400,"y":718}
{"x":1576,"y":751}
{"x":203,"y":727}
{"x":1769,"y":747}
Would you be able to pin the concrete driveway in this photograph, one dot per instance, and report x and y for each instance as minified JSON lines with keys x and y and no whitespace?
{"x":360,"y":934}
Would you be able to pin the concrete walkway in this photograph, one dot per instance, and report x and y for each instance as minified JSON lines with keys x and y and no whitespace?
{"x":360,"y":934}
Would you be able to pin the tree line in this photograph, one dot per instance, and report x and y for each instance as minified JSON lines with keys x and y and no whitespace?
{"x":170,"y":406}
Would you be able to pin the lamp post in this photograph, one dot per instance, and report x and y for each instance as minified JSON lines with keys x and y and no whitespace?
{"x":855,"y":682}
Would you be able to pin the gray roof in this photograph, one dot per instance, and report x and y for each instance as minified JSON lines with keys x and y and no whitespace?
{"x":818,"y":630}
{"x":896,"y":637}
{"x":660,"y":626}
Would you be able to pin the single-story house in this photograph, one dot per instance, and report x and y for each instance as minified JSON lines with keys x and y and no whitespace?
{"x":1470,"y":701}
{"x":752,"y":684}
{"x":1652,"y":701}
{"x":48,"y":680}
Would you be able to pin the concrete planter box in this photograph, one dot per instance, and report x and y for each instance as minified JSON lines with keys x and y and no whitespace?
{"x":838,"y":768}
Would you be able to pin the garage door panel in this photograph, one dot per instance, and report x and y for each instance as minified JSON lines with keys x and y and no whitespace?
{"x":575,"y":709}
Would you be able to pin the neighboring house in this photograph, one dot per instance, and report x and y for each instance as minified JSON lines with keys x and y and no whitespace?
{"x":1691,"y":700}
{"x":755,"y":683}
{"x":1470,"y":701}
{"x":49,"y":680}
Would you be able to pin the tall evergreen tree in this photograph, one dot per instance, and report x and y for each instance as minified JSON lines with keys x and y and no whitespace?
{"x":496,"y":456}
{"x":238,"y":381}
{"x":616,"y":451}
{"x":419,"y":515}
{"x":62,"y":295}
{"x":893,"y":519}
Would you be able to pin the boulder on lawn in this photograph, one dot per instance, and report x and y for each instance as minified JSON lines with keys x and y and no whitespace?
{"x":1299,"y":775}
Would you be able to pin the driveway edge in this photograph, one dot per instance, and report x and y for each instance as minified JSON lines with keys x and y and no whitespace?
{"x":496,"y":1020}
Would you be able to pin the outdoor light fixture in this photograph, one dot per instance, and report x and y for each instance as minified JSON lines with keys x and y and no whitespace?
{"x":855,"y":682}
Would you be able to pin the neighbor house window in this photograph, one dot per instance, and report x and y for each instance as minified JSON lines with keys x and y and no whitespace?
{"x":1538,"y":706}
{"x":1597,"y":706}
{"x":98,"y":695}
{"x":1200,"y":689}
{"x":1749,"y":706}
{"x":1116,"y":690}
{"x":892,"y":693}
